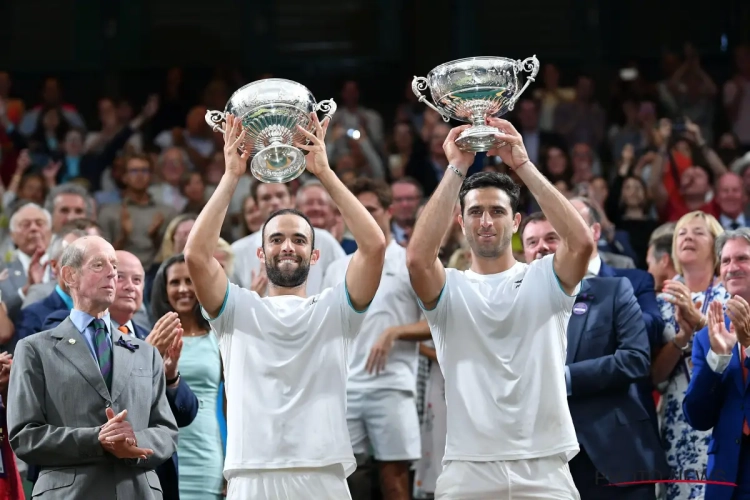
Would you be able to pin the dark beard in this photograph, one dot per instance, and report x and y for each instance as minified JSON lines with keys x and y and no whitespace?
{"x":285,"y":279}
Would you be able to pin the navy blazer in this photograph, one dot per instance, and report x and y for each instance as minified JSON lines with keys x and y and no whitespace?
{"x":31,"y":318}
{"x":643,"y":287}
{"x":182,"y":401}
{"x":608,"y":352}
{"x":718,"y":401}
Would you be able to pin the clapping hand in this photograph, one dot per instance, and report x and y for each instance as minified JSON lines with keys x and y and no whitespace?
{"x":259,"y":281}
{"x":164,"y":331}
{"x":738,"y":311}
{"x":118,"y":438}
{"x":172,"y":356}
{"x":6,"y":360}
{"x":722,"y":340}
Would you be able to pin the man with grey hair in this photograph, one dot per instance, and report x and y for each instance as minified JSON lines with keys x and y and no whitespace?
{"x":87,"y":402}
{"x":30,"y":231}
{"x":67,"y":202}
{"x":717,"y":397}
{"x":32,"y":317}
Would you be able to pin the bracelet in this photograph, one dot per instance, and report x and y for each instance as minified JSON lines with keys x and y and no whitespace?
{"x":173,"y":380}
{"x":683,"y":349}
{"x":456,"y":171}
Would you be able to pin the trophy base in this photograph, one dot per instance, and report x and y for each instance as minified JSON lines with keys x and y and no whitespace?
{"x":477,"y":139}
{"x":278,"y":163}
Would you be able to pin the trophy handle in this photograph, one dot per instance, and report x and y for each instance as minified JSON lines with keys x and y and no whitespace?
{"x":530,"y":64}
{"x":327,"y":107}
{"x":418,"y":84}
{"x":214,"y":119}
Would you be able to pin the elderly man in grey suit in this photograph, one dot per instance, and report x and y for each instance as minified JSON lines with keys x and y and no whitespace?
{"x":86,"y":403}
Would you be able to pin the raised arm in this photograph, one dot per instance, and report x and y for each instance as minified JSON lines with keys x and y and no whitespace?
{"x":426,"y":272}
{"x":208,"y":277}
{"x":576,"y":242}
{"x":366,"y":265}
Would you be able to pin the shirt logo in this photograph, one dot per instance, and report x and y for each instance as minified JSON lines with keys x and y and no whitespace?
{"x":518,"y":283}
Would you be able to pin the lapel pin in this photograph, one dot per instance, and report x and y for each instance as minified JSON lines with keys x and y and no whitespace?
{"x":71,"y":341}
{"x":580,"y":308}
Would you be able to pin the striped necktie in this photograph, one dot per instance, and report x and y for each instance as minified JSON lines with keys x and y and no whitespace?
{"x":103,"y":350}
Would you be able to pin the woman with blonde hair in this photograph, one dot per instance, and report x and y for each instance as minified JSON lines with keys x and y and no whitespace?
{"x":175,"y":236}
{"x":684,"y":302}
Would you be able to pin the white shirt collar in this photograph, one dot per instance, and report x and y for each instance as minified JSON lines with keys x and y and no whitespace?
{"x":595,"y":265}
{"x":726,"y":221}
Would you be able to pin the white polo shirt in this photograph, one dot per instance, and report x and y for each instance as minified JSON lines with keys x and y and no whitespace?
{"x":501,"y":343}
{"x":246,"y":259}
{"x":285,"y":370}
{"x":395,"y":304}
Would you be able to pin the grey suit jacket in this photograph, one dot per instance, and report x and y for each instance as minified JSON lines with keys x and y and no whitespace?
{"x":17,"y":278}
{"x":617,"y":261}
{"x":38,"y":292}
{"x":56,"y":405}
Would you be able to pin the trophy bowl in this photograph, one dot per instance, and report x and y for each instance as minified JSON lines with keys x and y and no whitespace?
{"x":270,"y":111}
{"x":473,"y":89}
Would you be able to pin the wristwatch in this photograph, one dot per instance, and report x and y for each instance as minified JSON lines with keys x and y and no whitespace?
{"x":173,"y":380}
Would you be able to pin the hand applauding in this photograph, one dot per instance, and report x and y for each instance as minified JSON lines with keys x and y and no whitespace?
{"x":722,"y":340}
{"x":118,"y":438}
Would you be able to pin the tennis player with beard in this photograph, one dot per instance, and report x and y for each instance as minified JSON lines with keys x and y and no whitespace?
{"x":500,"y":329}
{"x":285,"y":355}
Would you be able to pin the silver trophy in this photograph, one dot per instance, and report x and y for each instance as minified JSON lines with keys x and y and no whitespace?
{"x":473,"y":89}
{"x":270,"y":111}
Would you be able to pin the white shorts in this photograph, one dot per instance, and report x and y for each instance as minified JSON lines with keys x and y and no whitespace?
{"x":386,"y":419}
{"x":324,"y":483}
{"x":545,"y":478}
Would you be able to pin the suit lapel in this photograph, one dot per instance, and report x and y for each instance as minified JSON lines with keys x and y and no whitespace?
{"x":122,"y":365}
{"x":74,"y":347}
{"x":577,"y":325}
{"x":735,"y":365}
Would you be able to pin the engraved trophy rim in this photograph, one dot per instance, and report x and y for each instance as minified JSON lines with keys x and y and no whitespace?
{"x":468,"y":59}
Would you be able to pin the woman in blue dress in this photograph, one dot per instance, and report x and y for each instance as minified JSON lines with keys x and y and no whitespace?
{"x":200,"y":451}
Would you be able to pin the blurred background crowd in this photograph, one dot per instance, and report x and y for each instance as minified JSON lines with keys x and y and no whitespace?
{"x":657,"y":157}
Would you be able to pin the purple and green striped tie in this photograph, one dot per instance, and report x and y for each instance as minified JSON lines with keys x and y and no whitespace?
{"x":103,"y":350}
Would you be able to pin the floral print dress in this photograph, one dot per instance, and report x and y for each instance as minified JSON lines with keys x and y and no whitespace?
{"x":685,"y":447}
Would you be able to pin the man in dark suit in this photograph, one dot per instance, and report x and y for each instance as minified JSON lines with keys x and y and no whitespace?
{"x":608,"y":353}
{"x":166,"y":339}
{"x":718,"y":397}
{"x":643,"y":287}
{"x":31,"y":318}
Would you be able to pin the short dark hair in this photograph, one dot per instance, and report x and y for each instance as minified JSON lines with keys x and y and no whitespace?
{"x":286,"y":211}
{"x":254,"y":189}
{"x":662,"y":245}
{"x":534,"y":217}
{"x":412,"y":182}
{"x":160,"y":301}
{"x":481,"y":180}
{"x":375,"y":186}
